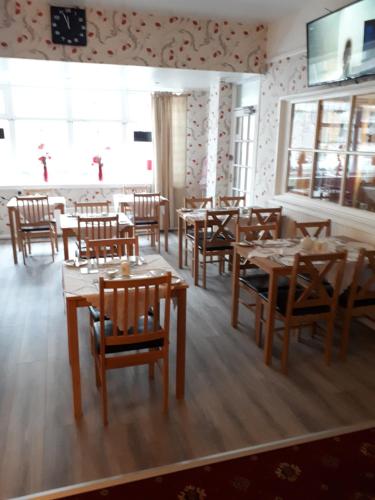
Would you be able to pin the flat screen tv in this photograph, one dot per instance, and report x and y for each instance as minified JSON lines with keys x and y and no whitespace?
{"x":341,"y":44}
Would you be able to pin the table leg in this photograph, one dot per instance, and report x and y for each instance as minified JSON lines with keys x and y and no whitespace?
{"x":235,"y":288}
{"x":270,"y":321}
{"x":196,"y":254}
{"x":181,"y":343}
{"x":65,"y":244}
{"x":72,"y":328}
{"x":180,"y":240}
{"x":166,"y":225}
{"x":12,"y":226}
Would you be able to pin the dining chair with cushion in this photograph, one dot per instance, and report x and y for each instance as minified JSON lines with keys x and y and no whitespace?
{"x":309,"y":300}
{"x":35,"y":222}
{"x":91,"y":207}
{"x":232,"y":201}
{"x":359,"y":299}
{"x":194,"y":203}
{"x":132,"y":337}
{"x":95,"y":228}
{"x":216,"y":240}
{"x":266,"y":216}
{"x":106,"y":250}
{"x":313,"y":229}
{"x":146,"y":215}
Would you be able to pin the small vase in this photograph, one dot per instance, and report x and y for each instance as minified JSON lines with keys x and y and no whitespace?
{"x":100,"y":172}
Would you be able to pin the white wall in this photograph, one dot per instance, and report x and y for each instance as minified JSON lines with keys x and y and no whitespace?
{"x":288,"y":34}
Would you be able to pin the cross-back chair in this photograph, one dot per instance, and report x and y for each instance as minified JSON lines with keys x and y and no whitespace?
{"x":359,"y":299}
{"x":34,"y":221}
{"x":232,"y":201}
{"x":266,"y":216}
{"x":252,"y":280}
{"x":95,"y":228}
{"x":313,"y":229}
{"x":146,"y":215}
{"x":217,"y":239}
{"x":308,"y":300}
{"x":91,"y":207}
{"x":132,"y":337}
{"x":194,"y":202}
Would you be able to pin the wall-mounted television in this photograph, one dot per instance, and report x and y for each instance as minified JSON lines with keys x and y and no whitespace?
{"x":341,"y":44}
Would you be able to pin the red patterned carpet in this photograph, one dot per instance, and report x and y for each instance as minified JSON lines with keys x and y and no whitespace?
{"x":337,"y":468}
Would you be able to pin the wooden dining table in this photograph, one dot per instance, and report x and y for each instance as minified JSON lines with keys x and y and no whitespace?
{"x":55,"y":203}
{"x":128,"y":200}
{"x":82,"y":290}
{"x":277,"y":261}
{"x":69,"y":228}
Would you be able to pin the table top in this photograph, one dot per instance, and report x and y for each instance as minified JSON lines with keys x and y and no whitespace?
{"x":199,"y":214}
{"x":70,"y":221}
{"x":52,"y":200}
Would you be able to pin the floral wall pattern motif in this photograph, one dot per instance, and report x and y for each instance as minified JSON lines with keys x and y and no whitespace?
{"x":134,"y":38}
{"x":284,"y":77}
{"x":224,"y":135}
{"x":196,"y":143}
{"x":212,"y":139}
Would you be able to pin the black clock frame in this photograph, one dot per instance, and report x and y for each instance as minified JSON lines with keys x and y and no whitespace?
{"x":68,"y":26}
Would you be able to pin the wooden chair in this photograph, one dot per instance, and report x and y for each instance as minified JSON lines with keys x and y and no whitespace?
{"x":232,"y":201}
{"x":131,"y":337}
{"x":359,"y":299}
{"x":34,"y":221}
{"x":309,"y":299}
{"x":253,"y":280}
{"x":146,"y":215}
{"x":216,"y":239}
{"x":95,"y":228}
{"x":312,"y":229}
{"x":92,"y":207}
{"x":194,"y":203}
{"x":266,"y":216}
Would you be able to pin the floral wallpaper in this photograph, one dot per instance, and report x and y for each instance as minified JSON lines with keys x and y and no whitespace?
{"x":134,"y":38}
{"x":285,"y":76}
{"x":224,"y":140}
{"x":212,"y":139}
{"x":196,"y":143}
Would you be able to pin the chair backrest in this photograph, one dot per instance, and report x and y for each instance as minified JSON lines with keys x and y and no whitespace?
{"x":316,"y":296}
{"x":130,"y":301}
{"x":266,"y":216}
{"x":33,"y":211}
{"x":199,"y":202}
{"x":231,"y":201}
{"x":146,"y":207}
{"x":112,"y":247}
{"x":363,"y":285}
{"x":258,"y":232}
{"x":91,"y":207}
{"x":216,"y":228}
{"x":313,"y":229}
{"x":96,"y":228}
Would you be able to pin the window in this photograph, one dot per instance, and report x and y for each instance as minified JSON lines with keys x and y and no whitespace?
{"x":74,"y":124}
{"x":331,"y":154}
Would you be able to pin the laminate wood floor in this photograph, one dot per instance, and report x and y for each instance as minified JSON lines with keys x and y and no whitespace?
{"x":232,"y":399}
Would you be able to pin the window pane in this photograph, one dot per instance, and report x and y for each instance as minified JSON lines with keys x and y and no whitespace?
{"x":303,"y":128}
{"x":333,"y":128}
{"x":2,"y":102}
{"x":328,"y":176}
{"x":7,"y":172}
{"x":96,"y":104}
{"x":245,"y":127}
{"x":244,"y":153}
{"x":360,"y":183}
{"x":33,"y":102}
{"x":363,"y":128}
{"x":237,"y":153}
{"x":299,"y":172}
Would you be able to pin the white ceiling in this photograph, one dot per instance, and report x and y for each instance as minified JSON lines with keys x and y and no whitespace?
{"x":241,"y":10}
{"x":105,"y":76}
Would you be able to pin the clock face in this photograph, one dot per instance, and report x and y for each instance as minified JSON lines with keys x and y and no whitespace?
{"x":68,"y":26}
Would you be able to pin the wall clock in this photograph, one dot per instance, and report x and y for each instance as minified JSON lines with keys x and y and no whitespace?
{"x":68,"y":25}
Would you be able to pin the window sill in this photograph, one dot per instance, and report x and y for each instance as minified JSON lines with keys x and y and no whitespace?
{"x":351,"y":217}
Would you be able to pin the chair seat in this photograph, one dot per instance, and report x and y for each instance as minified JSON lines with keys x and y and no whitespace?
{"x":95,"y":313}
{"x":34,"y":229}
{"x":111,"y":349}
{"x":258,"y":281}
{"x":226,"y":245}
{"x":282,"y":302}
{"x":344,"y":298}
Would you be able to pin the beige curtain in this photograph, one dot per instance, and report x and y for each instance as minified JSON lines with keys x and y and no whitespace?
{"x":169,"y":113}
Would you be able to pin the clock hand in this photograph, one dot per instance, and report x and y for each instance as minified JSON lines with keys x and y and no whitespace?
{"x":66,"y":20}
